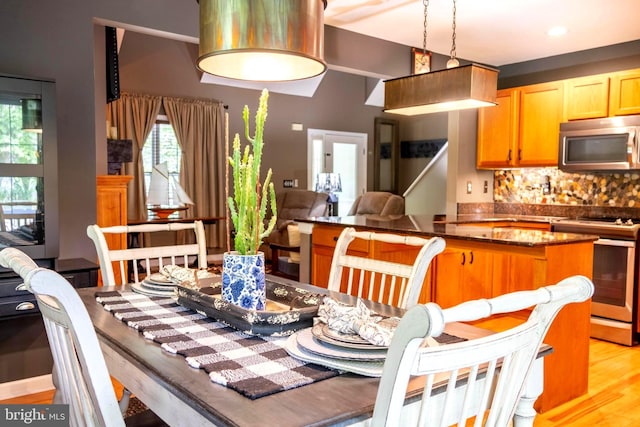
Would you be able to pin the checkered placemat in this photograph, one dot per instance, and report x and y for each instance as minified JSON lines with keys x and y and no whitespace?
{"x":253,"y":366}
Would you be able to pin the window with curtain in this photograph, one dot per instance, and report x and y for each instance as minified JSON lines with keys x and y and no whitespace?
{"x":161,"y":146}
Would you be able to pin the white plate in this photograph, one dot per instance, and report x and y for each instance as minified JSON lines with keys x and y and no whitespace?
{"x":325,"y":334}
{"x":137,"y":287}
{"x":306,"y":340}
{"x":367,"y":368}
{"x":162,"y":288}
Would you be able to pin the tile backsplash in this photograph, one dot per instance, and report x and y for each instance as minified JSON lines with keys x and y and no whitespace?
{"x":554,"y":187}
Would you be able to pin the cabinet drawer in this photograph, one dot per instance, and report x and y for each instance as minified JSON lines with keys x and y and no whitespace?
{"x":13,"y":287}
{"x":14,"y":306}
{"x":329,"y":237}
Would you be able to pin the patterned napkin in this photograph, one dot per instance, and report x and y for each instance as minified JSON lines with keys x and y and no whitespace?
{"x":253,"y":366}
{"x":357,"y":320}
{"x":183,"y":275}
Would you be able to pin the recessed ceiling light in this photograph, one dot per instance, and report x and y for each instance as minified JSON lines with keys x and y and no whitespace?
{"x":557,"y":31}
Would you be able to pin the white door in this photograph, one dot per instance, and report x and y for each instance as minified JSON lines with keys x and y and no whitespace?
{"x":343,"y":153}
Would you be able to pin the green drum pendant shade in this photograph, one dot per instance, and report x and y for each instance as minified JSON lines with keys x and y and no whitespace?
{"x":262,"y":40}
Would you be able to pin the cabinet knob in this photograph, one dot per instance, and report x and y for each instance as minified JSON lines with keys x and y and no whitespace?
{"x":335,"y":238}
{"x":471,"y":255}
{"x":464,"y":258}
{"x":24,"y":306}
{"x":21,"y":287}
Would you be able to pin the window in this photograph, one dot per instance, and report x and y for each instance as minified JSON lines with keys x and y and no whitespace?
{"x":21,"y":193}
{"x":162,"y":146}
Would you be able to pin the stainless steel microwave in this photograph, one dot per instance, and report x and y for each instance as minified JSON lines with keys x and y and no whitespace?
{"x":600,"y":144}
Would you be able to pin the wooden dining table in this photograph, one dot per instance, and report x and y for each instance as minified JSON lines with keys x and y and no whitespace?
{"x":185,"y":396}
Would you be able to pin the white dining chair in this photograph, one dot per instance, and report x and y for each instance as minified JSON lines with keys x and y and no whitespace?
{"x":388,"y":282}
{"x":115,"y":263}
{"x":484,"y":377}
{"x":80,"y":373}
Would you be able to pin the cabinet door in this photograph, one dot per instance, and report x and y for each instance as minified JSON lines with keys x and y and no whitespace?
{"x":324,"y":241}
{"x":321,"y":257}
{"x":513,"y":273}
{"x":462,"y":275}
{"x":498,"y":131}
{"x":587,"y":97}
{"x":541,"y":108}
{"x":624,"y":96}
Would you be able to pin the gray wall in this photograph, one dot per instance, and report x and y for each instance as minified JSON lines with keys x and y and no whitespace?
{"x":55,"y":40}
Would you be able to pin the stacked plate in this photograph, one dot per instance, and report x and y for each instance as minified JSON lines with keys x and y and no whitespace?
{"x":156,"y":285}
{"x":348,"y":352}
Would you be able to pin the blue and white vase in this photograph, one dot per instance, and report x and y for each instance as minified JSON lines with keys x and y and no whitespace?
{"x":243,"y":281}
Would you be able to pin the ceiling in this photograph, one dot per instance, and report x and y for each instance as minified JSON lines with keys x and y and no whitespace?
{"x":492,"y":32}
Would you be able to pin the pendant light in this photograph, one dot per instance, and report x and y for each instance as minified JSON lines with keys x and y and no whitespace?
{"x":262,"y":40}
{"x":454,"y":88}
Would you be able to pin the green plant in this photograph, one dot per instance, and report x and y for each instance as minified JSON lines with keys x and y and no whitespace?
{"x":248,"y":206}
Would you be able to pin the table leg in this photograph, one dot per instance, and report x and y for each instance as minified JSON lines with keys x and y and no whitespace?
{"x":524,"y":413}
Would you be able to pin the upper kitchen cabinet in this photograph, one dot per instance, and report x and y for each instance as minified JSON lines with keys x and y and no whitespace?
{"x":540,"y":117}
{"x":624,"y":96}
{"x":522,"y":131}
{"x":587,"y":97}
{"x":498,"y":131}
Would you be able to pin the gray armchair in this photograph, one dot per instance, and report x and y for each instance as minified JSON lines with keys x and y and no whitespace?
{"x":378,"y":203}
{"x":291,"y":205}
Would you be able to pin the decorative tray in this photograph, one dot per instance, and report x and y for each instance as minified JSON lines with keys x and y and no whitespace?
{"x":288,"y":308}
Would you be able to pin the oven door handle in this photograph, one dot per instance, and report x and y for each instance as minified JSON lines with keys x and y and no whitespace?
{"x":612,"y":242}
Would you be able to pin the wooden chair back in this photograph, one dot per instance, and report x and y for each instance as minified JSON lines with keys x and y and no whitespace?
{"x":384,"y":281}
{"x":114,"y":264}
{"x":493,"y":368}
{"x":81,"y":377}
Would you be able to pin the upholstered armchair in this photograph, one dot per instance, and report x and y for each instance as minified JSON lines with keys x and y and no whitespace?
{"x":378,"y":203}
{"x":292,"y":204}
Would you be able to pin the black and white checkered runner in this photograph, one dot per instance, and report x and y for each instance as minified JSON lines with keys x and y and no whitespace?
{"x":253,"y":366}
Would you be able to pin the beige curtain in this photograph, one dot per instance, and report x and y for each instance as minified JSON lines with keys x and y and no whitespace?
{"x":134,"y":116}
{"x":199,"y":128}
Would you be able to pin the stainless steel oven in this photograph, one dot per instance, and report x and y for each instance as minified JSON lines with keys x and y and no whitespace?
{"x":615,"y":276}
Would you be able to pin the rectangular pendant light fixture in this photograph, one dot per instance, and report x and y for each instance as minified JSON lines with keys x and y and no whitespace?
{"x":458,"y":88}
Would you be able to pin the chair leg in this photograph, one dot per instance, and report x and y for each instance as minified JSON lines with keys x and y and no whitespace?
{"x":124,"y":402}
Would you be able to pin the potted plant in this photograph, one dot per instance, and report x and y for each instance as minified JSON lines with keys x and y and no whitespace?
{"x":243,"y":276}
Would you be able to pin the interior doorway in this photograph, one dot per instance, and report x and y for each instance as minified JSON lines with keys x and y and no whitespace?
{"x":344,"y":153}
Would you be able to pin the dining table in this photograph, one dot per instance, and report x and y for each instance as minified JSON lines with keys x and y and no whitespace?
{"x":186,"y":396}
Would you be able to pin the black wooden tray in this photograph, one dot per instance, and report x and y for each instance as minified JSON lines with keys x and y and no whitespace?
{"x":288,"y":308}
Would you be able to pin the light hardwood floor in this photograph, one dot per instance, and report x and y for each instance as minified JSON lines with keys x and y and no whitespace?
{"x":613,"y":398}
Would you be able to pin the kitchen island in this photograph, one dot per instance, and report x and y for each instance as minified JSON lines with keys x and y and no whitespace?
{"x":483,"y":258}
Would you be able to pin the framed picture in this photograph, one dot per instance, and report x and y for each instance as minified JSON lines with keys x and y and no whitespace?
{"x":420,"y":61}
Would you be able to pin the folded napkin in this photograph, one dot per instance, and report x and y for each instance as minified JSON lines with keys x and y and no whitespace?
{"x":357,"y":320}
{"x":185,"y":276}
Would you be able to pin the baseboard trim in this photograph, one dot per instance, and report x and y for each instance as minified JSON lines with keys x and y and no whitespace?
{"x":26,"y":386}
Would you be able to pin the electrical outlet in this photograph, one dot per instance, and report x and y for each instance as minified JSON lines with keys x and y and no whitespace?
{"x":287,"y":183}
{"x":468,"y":187}
{"x":486,"y":186}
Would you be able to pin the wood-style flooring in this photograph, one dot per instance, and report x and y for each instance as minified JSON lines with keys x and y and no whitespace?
{"x":613,"y":398}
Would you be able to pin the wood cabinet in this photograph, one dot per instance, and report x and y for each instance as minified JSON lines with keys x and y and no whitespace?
{"x":624,"y":95}
{"x":541,"y":113}
{"x":462,"y":275}
{"x":111,"y":201}
{"x":498,"y":131}
{"x":523,"y":129}
{"x":587,"y":97}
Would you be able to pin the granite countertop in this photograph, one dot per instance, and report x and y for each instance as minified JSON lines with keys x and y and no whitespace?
{"x":425,"y":225}
{"x":493,"y":217}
